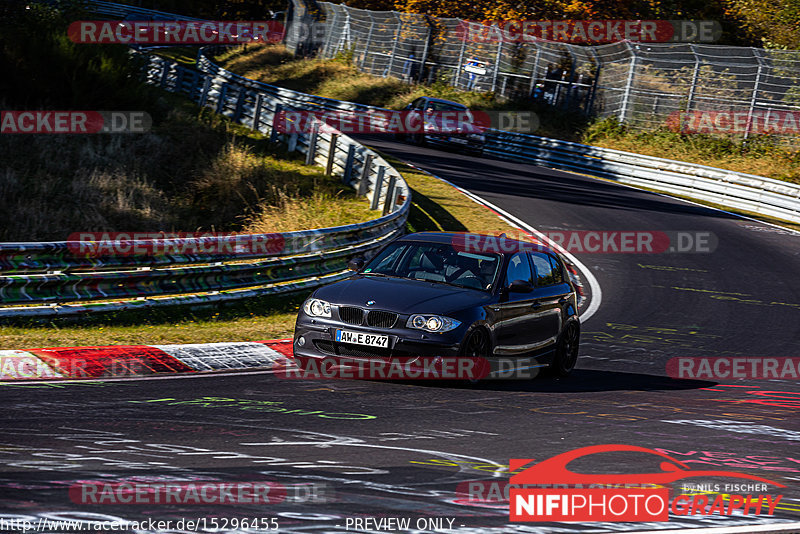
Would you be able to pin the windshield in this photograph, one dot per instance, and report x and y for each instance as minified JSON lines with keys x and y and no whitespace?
{"x":436,"y":262}
{"x":444,"y":106}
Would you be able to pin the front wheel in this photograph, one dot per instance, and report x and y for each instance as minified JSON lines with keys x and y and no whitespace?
{"x":566,"y":351}
{"x":477,"y":345}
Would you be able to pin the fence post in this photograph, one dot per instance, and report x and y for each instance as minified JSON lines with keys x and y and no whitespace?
{"x":273,"y":133}
{"x":460,"y":64}
{"x":376,"y":195}
{"x":331,"y":154}
{"x":327,"y":46}
{"x":692,"y":87}
{"x":389,"y":194}
{"x":363,"y":182}
{"x":312,"y":144}
{"x":428,"y":38}
{"x":628,"y":85}
{"x":369,"y":40}
{"x":755,"y":93}
{"x":257,"y":113}
{"x":348,"y":165}
{"x":535,"y":68}
{"x":394,"y":46}
{"x":497,"y":61}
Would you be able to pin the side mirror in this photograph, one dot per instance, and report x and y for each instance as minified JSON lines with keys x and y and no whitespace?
{"x":520,"y":286}
{"x":356,"y":263}
{"x":410,"y":106}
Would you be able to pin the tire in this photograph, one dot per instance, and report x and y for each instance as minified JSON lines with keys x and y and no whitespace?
{"x":418,"y":139}
{"x":566,"y":350}
{"x":476,"y":345}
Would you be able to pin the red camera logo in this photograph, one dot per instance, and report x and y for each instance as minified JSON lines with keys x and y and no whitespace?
{"x":618,"y":503}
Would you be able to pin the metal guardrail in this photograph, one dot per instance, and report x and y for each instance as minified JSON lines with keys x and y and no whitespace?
{"x":757,"y":194}
{"x":749,"y":192}
{"x":70,"y":280}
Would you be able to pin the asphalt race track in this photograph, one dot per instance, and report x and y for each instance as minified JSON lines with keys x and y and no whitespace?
{"x":348,"y":450}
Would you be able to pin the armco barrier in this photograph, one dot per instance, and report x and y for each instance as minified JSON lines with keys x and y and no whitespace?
{"x":748,"y":192}
{"x":70,"y":281}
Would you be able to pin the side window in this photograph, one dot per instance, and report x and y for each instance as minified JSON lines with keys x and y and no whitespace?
{"x":544,"y":269}
{"x":519,"y":268}
{"x":558,"y":276}
{"x":419,"y":103}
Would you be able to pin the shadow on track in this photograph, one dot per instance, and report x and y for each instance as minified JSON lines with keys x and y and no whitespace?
{"x":581,"y":380}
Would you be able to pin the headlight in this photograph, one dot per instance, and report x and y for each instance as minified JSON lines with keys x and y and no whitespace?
{"x":317,"y":308}
{"x":432,"y":323}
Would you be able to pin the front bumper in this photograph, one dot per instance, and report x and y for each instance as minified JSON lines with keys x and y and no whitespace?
{"x":318,"y":337}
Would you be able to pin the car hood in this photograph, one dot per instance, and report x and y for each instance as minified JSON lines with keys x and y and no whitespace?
{"x":402,"y":295}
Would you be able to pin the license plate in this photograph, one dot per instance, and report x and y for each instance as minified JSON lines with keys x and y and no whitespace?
{"x":458,"y":140}
{"x":362,"y":338}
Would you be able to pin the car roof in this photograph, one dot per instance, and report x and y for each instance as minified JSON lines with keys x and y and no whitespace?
{"x":443,"y":101}
{"x":447,"y":237}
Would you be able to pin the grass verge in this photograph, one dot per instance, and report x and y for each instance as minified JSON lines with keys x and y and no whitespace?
{"x":436,"y":206}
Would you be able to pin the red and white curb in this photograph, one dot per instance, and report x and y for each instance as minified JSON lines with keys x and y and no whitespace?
{"x":130,"y":361}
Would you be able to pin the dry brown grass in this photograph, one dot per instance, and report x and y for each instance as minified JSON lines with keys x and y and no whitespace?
{"x":191,"y":172}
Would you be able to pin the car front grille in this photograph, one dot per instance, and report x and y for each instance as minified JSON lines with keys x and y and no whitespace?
{"x":351,"y":315}
{"x":345,"y":349}
{"x":324,"y":346}
{"x":381,"y":319}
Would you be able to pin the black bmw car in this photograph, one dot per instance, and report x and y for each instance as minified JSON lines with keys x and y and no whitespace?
{"x":447,"y":295}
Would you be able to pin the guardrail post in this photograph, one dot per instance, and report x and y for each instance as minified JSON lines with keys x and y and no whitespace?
{"x":164,"y":74}
{"x":206,"y":89}
{"x":257,"y":113}
{"x":223,"y":94}
{"x":387,"y":205}
{"x":312,"y":144}
{"x":376,"y":195}
{"x":331,"y":155}
{"x":239,"y":104}
{"x":348,"y":165}
{"x":179,"y":75}
{"x":273,"y":134}
{"x":363,"y":182}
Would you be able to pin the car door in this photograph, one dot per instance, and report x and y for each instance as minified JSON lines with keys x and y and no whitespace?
{"x":551,"y":296}
{"x":516,"y":330}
